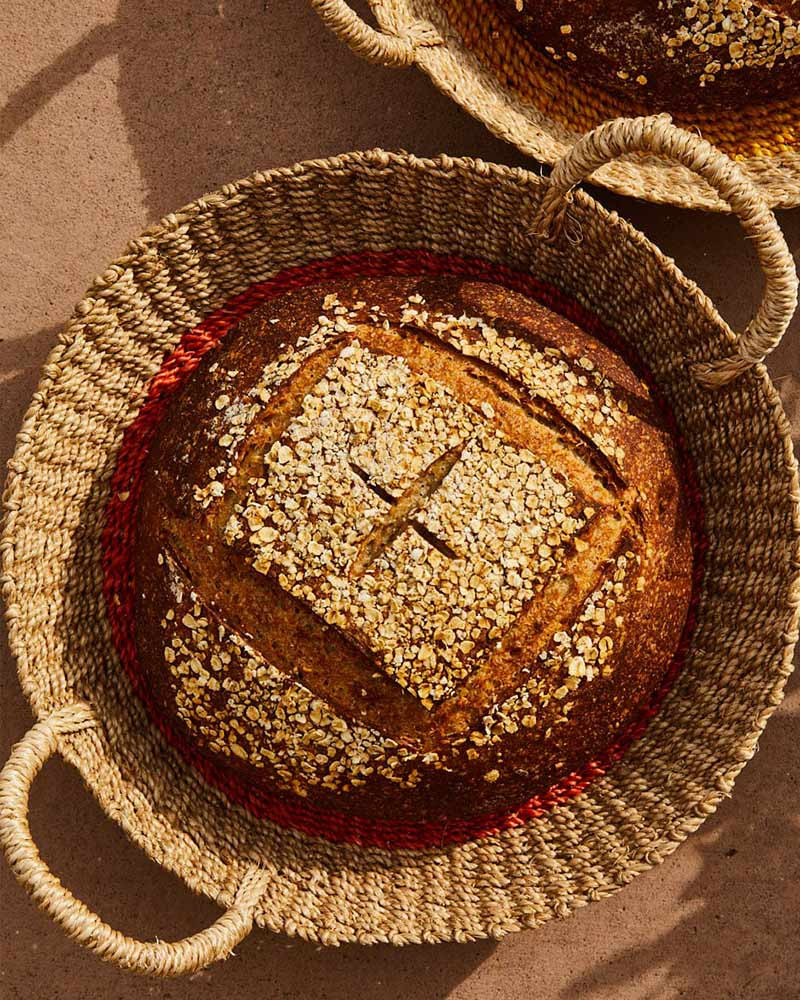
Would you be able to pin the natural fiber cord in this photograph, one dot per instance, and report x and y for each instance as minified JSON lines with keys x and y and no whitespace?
{"x":474,"y":55}
{"x":184,"y":280}
{"x":656,"y":134}
{"x":159,"y":958}
{"x":374,"y":46}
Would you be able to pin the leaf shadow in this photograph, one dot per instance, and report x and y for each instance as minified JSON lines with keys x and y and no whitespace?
{"x":731,"y":938}
{"x":211,"y":90}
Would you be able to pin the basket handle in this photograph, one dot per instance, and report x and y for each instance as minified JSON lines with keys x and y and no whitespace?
{"x":375,"y":46}
{"x":155,"y":958}
{"x":656,"y":134}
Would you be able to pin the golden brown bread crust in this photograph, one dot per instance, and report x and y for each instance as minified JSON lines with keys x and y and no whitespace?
{"x":725,"y":53}
{"x":409,"y":548}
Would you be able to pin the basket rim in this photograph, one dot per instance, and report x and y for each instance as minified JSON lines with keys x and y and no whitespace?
{"x":457,"y":72}
{"x":78,"y":746}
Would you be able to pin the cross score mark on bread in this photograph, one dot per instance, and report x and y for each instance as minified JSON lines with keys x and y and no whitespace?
{"x":420,"y":525}
{"x":436,"y":560}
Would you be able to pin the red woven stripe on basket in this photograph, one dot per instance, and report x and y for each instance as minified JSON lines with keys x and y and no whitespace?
{"x":118,"y":541}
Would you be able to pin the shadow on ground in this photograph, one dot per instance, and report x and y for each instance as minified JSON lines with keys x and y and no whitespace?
{"x":207,"y":96}
{"x":721,"y":946}
{"x":21,"y":362}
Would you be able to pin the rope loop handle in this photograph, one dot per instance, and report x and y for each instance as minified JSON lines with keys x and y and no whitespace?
{"x":157,"y":958}
{"x":375,"y":46}
{"x":656,"y":134}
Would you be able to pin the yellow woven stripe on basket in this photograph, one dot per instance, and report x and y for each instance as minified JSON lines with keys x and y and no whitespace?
{"x":758,"y":131}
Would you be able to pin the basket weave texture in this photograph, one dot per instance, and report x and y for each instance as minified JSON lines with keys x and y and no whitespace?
{"x":473,"y":54}
{"x":171,"y":279}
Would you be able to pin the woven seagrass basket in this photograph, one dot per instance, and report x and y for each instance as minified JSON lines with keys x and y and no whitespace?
{"x":474,"y":55}
{"x":180,"y":286}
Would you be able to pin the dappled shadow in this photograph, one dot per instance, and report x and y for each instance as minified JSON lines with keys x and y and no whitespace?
{"x":211,"y":91}
{"x":21,"y":360}
{"x":731,"y":941}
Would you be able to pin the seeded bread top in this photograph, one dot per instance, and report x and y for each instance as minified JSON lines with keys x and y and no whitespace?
{"x":404,"y":537}
{"x":721,"y":52}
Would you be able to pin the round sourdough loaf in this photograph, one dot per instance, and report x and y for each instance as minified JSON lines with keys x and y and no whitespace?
{"x":409,"y":548}
{"x":680,"y":53}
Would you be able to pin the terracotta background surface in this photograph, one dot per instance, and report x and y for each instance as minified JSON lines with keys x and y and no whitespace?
{"x":118,"y":111}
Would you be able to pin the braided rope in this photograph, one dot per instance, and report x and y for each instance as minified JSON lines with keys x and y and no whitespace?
{"x":375,"y":46}
{"x":658,"y":135}
{"x":158,"y":958}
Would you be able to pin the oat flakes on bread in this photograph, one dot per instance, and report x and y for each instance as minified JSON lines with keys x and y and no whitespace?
{"x":409,"y":548}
